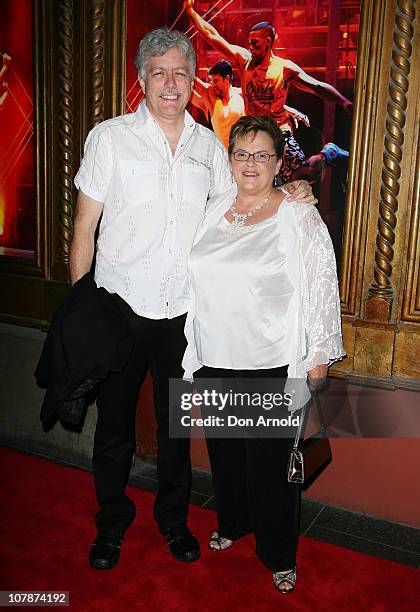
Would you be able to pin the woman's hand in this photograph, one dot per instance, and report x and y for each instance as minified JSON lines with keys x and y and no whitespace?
{"x":317,"y":377}
{"x":301,"y":192}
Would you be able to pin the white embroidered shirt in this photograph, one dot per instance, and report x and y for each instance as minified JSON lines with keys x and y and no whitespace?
{"x":153,"y":202}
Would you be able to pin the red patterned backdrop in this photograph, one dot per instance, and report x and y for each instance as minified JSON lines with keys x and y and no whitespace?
{"x":320,"y":36}
{"x":16,"y":129}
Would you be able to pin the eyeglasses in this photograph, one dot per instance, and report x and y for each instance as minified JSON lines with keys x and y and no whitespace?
{"x":261,"y":157}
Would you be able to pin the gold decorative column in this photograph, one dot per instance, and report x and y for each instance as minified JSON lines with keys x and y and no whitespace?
{"x":66,"y":119}
{"x":378,"y":306}
{"x":97,"y":63}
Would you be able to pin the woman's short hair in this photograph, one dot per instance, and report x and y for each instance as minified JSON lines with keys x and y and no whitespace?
{"x":158,"y":42}
{"x":251,"y":125}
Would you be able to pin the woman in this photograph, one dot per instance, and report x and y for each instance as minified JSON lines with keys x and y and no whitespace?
{"x":264,"y":305}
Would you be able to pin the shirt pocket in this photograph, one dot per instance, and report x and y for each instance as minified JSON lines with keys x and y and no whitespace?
{"x":140,"y":181}
{"x":195,"y":183}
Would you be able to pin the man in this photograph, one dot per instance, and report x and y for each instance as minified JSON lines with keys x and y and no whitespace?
{"x":265,"y":79}
{"x":224,"y":103}
{"x":219,"y":99}
{"x":151,"y":175}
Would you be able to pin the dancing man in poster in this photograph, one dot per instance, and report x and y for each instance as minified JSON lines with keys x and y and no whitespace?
{"x":219,"y":99}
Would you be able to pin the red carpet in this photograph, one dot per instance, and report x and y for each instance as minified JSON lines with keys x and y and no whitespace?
{"x":46,"y":531}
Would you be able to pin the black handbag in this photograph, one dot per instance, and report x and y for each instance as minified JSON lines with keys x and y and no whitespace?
{"x":310,"y":457}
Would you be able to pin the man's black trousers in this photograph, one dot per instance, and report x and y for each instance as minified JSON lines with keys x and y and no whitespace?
{"x":159,"y":346}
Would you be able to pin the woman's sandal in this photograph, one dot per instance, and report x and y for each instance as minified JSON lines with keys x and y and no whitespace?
{"x":285,"y":581}
{"x":218,"y":542}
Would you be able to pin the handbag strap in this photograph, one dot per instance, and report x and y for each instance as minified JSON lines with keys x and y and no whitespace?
{"x":302,"y":422}
{"x":300,"y":426}
{"x":322,"y":426}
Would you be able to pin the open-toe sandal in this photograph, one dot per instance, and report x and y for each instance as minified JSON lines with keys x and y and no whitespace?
{"x":285,"y":581}
{"x":218,"y":542}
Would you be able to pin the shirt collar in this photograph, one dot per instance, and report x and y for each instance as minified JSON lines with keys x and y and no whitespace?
{"x":146,"y":120}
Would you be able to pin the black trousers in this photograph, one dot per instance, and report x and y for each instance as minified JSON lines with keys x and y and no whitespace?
{"x":251,"y":488}
{"x":160,"y":345}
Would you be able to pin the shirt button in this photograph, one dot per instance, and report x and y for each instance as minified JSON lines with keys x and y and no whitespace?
{"x":171,"y":223}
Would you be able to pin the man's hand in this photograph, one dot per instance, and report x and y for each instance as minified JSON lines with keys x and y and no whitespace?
{"x":317,"y":377}
{"x":347,"y":107}
{"x":188,"y":6}
{"x":301,"y":192}
{"x":302,"y":118}
{"x":297,"y":116}
{"x":235,"y":54}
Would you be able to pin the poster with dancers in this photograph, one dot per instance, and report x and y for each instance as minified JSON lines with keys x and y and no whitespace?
{"x":292,"y":59}
{"x":17,"y":194}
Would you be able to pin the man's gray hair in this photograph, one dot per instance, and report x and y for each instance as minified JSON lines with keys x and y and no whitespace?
{"x":158,"y":42}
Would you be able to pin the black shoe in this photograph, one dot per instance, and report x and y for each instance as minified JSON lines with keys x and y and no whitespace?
{"x":105,"y":551}
{"x":182,"y":544}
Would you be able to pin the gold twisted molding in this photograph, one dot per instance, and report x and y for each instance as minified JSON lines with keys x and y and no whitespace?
{"x":97,"y":63}
{"x":411,"y":300}
{"x":65,"y":128}
{"x":381,"y":289}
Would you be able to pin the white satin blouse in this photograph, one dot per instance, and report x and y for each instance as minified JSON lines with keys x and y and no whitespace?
{"x":242,"y":296}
